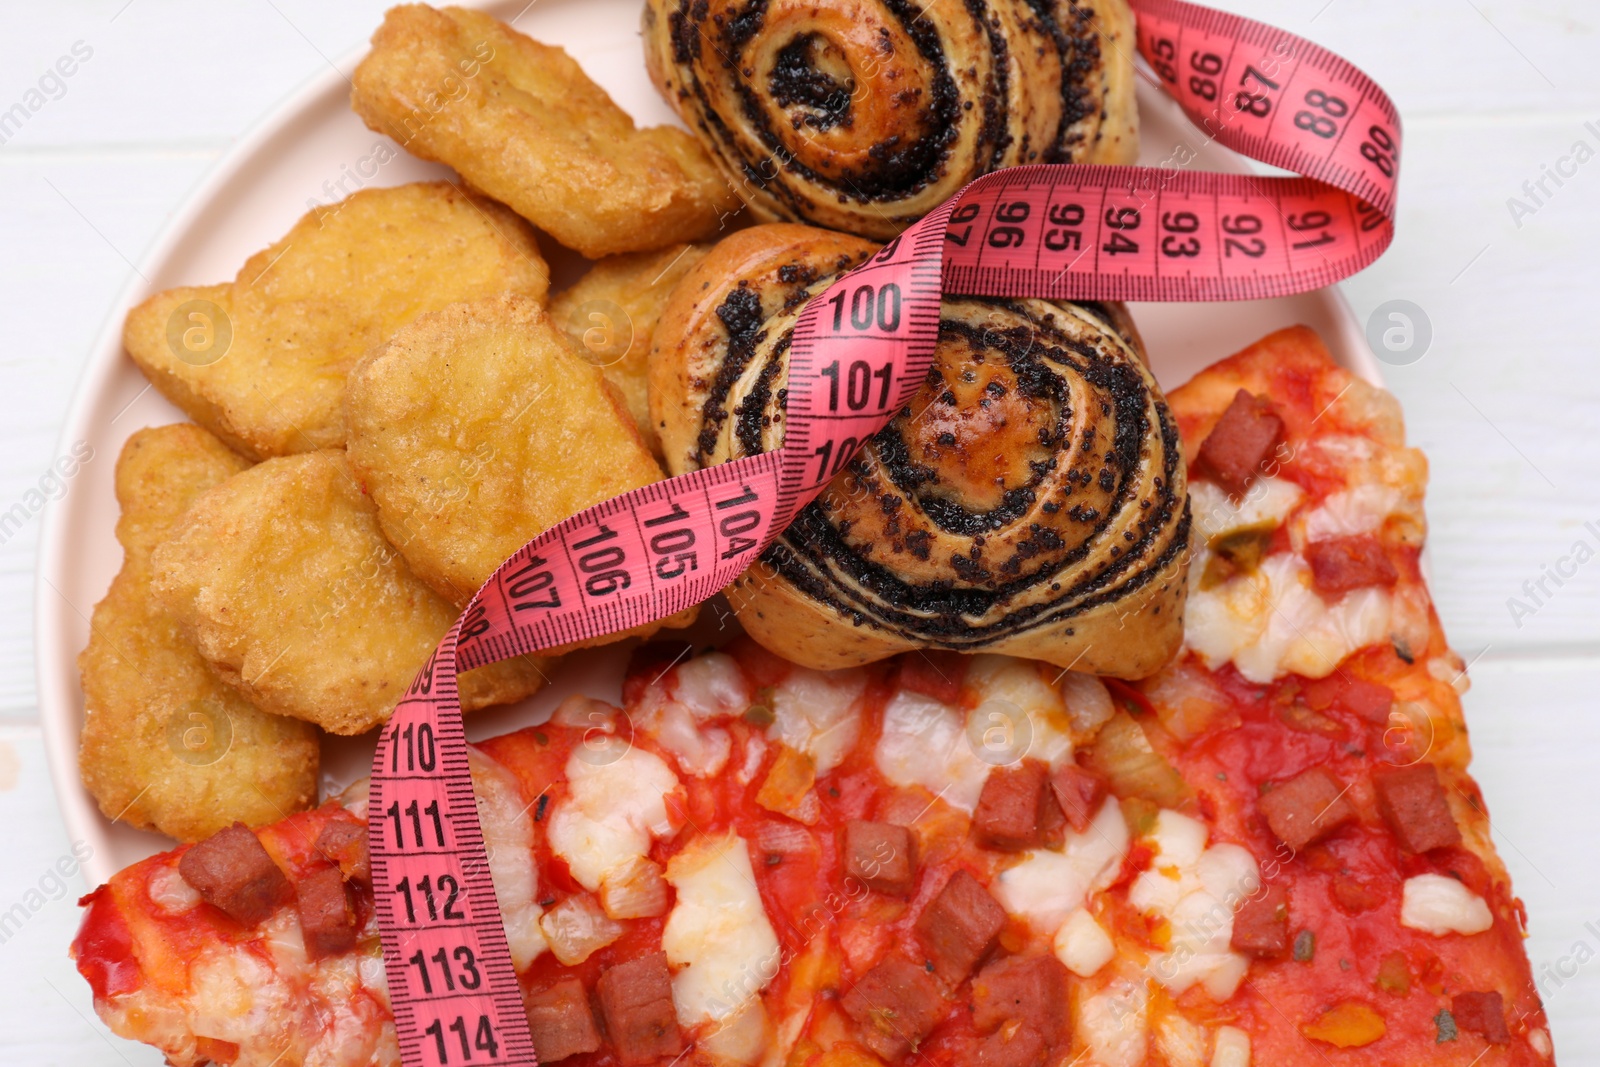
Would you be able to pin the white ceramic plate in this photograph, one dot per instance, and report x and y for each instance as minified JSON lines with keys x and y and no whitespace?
{"x":312,"y":150}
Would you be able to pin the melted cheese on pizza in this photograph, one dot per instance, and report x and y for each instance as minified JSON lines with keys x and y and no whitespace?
{"x":616,"y":805}
{"x":718,"y":935}
{"x":1192,"y":890}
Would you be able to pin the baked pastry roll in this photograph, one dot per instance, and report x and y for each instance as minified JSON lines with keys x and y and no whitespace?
{"x":864,"y":115}
{"x":1030,"y":499}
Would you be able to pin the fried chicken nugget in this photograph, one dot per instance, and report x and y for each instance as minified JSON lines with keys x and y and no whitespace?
{"x":475,"y":429}
{"x":297,"y":601}
{"x":261,"y":361}
{"x":521,"y":121}
{"x":610,"y":315}
{"x":166,"y":745}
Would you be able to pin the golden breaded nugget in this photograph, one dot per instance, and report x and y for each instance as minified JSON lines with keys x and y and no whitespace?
{"x":610,"y":314}
{"x":261,"y":361}
{"x":296,"y":599}
{"x":475,"y":429}
{"x":522,"y":122}
{"x":166,"y":745}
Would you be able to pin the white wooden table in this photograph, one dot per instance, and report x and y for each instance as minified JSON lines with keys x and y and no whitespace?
{"x":1494,"y":93}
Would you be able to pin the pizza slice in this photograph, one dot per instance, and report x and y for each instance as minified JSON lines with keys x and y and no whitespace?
{"x":1268,"y":852}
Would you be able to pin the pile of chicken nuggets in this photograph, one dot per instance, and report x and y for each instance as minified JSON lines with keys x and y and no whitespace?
{"x":386,"y":403}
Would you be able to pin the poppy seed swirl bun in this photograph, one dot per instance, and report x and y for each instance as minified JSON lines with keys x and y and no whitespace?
{"x":1030,"y":499}
{"x":865,"y":115}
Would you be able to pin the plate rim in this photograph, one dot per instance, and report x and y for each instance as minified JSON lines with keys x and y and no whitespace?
{"x":54,"y":666}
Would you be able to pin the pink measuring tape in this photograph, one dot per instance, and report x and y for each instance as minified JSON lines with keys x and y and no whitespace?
{"x":1066,"y":232}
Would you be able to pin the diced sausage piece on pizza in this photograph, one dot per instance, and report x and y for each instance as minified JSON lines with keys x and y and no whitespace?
{"x":935,"y":673}
{"x":636,"y":1000}
{"x":1014,"y":810}
{"x":1237,"y":448}
{"x":1306,"y":808}
{"x":959,"y":927}
{"x":327,"y":921}
{"x":881,"y":855}
{"x":1371,"y":701}
{"x":561,"y":1022}
{"x":1019,"y":1046}
{"x":1483,"y":1014}
{"x":1029,"y":989}
{"x":1261,"y":925}
{"x":1341,"y":564}
{"x":895,"y":1005}
{"x":231,"y":870}
{"x":1078,"y":792}
{"x":1412,"y":801}
{"x":345,"y":843}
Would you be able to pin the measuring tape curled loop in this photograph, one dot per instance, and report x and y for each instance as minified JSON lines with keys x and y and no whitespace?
{"x":1061,"y":232}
